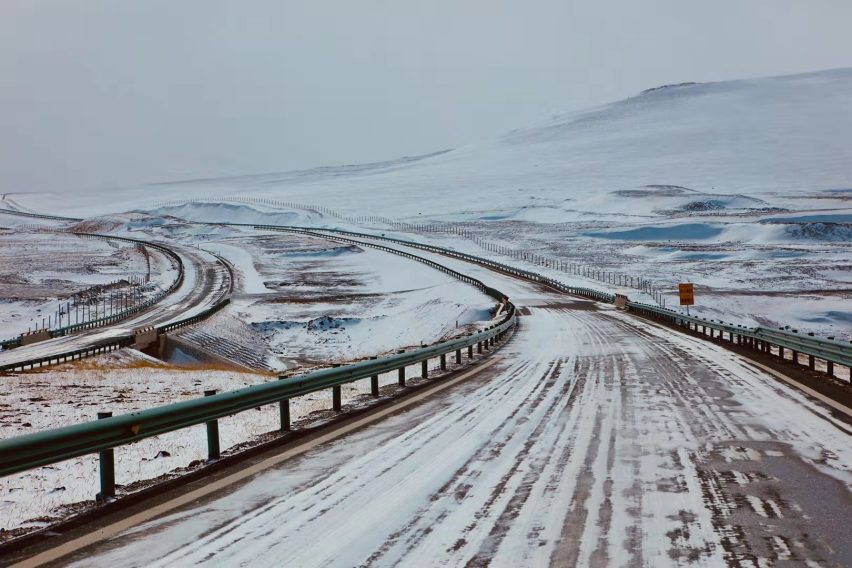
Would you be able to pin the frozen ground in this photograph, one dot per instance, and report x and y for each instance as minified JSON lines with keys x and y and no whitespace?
{"x":315,"y":301}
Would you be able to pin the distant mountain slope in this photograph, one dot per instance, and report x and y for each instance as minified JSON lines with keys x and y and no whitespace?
{"x":768,"y":139}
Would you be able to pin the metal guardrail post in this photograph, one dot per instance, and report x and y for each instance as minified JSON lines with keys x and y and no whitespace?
{"x":336,"y":396}
{"x":374,"y":381}
{"x":212,"y":435}
{"x":401,"y":372}
{"x":284,"y":412}
{"x":107,"y":468}
{"x":458,"y":356}
{"x":479,"y":347}
{"x":424,"y":368}
{"x":470,"y":351}
{"x":443,"y":361}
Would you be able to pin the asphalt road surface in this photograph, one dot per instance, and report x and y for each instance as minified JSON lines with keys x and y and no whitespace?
{"x":596,"y":439}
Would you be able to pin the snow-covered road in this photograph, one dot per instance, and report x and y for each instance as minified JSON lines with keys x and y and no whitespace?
{"x":595,"y":440}
{"x":206,"y":281}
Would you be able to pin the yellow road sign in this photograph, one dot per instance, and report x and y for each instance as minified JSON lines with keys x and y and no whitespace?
{"x":687,"y":294}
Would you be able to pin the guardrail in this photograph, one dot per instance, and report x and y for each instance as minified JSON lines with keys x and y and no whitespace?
{"x":91,"y":324}
{"x":109,"y":344}
{"x":38,"y":215}
{"x":60,"y":332}
{"x":51,"y":446}
{"x":828,"y":350}
{"x":529,"y":275}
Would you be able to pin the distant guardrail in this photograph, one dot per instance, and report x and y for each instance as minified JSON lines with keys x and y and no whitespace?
{"x":107,"y":345}
{"x":831,"y":351}
{"x":123,"y":314}
{"x":38,"y":215}
{"x":159,"y":296}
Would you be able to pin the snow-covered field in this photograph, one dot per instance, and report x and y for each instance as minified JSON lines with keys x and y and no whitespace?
{"x":314,"y":301}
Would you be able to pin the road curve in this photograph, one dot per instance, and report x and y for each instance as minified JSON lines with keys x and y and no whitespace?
{"x":206,"y":281}
{"x":595,"y":440}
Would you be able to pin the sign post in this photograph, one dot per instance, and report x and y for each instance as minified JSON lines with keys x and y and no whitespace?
{"x":687,"y":295}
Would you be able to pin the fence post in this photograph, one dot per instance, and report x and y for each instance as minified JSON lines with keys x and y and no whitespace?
{"x":212,"y":434}
{"x":107,"y":468}
{"x":284,"y":412}
{"x":374,"y":382}
{"x":336,"y":394}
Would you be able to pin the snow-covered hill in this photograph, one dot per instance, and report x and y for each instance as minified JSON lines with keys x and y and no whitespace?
{"x":738,"y":144}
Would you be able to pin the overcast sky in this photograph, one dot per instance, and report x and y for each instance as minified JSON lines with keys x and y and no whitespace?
{"x":96,"y":93}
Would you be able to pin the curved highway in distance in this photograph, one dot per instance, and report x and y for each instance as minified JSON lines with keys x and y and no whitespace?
{"x":206,"y":281}
{"x":595,"y":439}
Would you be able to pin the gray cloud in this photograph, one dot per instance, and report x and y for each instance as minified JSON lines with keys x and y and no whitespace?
{"x":98,"y":93}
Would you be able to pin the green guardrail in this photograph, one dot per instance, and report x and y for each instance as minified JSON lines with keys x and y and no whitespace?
{"x":124,"y":314}
{"x":828,"y":349}
{"x":104,"y":346}
{"x":51,"y":446}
